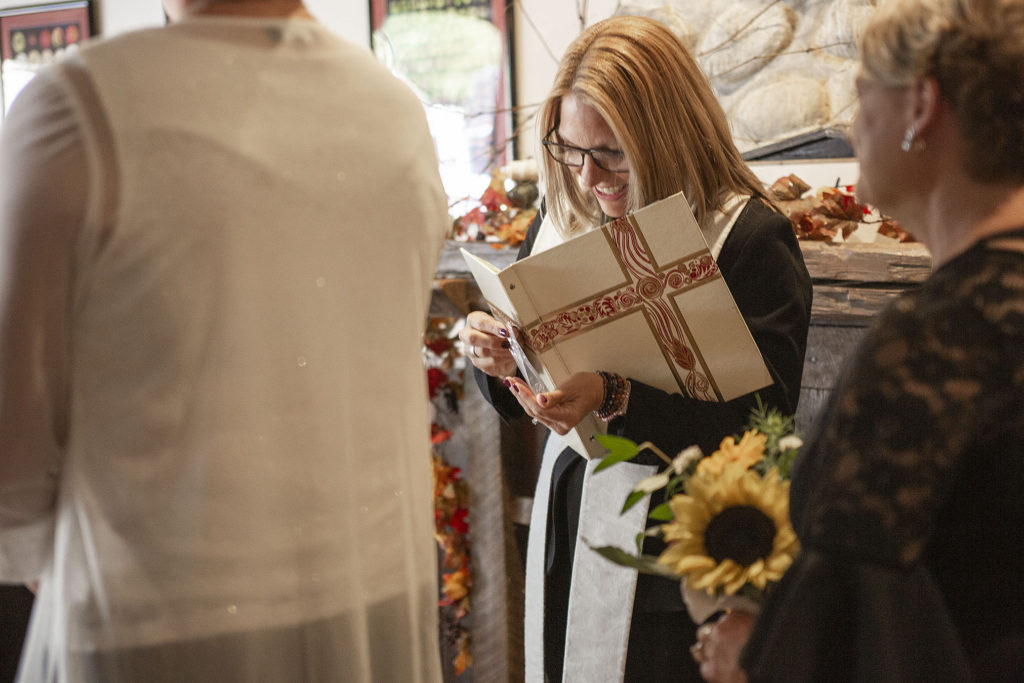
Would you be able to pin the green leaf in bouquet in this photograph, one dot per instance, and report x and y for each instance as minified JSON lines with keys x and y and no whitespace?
{"x":632,"y":499}
{"x":649,"y":532}
{"x":774,"y":425}
{"x":662,"y":513}
{"x":619,"y":450}
{"x":642,"y":563}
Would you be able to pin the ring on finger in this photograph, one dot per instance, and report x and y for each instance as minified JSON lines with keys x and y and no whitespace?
{"x":472,"y":351}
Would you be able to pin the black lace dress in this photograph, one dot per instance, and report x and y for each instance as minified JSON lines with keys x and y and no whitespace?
{"x":909,"y":496}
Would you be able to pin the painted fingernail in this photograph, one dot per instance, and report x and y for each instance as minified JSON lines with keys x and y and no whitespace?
{"x":507,"y":382}
{"x":506,"y":344}
{"x":543,"y":399}
{"x":503,"y":332}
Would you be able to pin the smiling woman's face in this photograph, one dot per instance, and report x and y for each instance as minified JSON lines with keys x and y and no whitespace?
{"x":581,"y":126}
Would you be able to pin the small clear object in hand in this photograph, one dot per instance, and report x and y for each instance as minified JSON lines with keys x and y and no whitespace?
{"x":526,"y":368}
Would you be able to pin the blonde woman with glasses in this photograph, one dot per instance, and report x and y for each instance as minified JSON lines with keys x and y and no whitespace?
{"x":631,"y":119}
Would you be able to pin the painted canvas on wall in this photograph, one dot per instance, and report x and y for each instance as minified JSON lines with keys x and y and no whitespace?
{"x":32,"y":37}
{"x":781,"y":68}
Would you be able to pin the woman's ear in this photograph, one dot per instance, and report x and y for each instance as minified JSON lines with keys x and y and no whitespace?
{"x":925,"y":103}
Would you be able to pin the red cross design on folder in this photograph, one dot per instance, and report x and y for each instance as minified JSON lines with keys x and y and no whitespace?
{"x":650,"y":288}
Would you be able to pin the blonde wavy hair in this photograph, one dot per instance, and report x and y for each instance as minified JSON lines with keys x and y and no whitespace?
{"x":974,"y":49}
{"x":639,"y":76}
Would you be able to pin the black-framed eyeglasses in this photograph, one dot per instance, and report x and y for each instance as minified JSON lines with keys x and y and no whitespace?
{"x":606,"y":159}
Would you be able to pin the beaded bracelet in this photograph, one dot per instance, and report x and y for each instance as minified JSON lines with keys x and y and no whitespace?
{"x":612,"y":384}
{"x":616,"y":396}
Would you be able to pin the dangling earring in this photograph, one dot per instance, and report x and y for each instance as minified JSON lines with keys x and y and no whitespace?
{"x":908,"y":139}
{"x":911,"y":143}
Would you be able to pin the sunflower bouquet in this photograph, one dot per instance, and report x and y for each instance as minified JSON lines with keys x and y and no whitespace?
{"x":725,"y":520}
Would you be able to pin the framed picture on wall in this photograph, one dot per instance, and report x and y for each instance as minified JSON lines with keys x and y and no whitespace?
{"x":456,"y":55}
{"x":32,"y":37}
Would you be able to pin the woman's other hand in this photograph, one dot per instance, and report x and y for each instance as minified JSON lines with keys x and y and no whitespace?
{"x":487,"y":346}
{"x":719,"y":645}
{"x":562,"y":408}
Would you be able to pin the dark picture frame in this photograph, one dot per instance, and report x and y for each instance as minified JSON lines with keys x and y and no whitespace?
{"x":33,"y":36}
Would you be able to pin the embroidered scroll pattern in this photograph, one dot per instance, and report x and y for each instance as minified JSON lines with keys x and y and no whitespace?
{"x":648,"y":289}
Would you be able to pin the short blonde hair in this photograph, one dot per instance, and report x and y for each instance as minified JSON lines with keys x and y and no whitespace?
{"x":639,"y":76}
{"x":974,"y":49}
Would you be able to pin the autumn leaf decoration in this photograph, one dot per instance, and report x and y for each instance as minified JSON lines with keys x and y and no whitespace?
{"x":451,"y":493}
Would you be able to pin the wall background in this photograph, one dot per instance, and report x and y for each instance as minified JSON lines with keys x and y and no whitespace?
{"x":797,"y":91}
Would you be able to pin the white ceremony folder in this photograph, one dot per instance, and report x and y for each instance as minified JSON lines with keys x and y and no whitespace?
{"x":641,"y":296}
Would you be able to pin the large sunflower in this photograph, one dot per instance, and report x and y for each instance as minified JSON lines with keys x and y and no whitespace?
{"x":729,"y":530}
